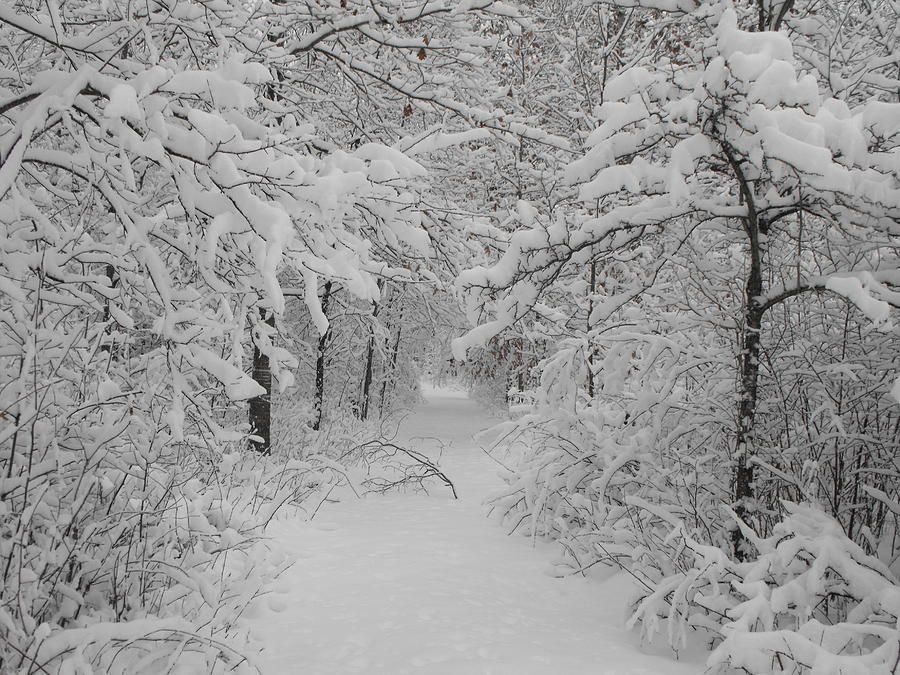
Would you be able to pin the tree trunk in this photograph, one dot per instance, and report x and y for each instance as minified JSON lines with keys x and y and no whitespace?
{"x":590,"y":351}
{"x":745,"y":445}
{"x":370,"y":361}
{"x":261,"y":406}
{"x":520,"y":366}
{"x":744,"y":490}
{"x":106,"y":346}
{"x":389,"y":371}
{"x":320,"y":361}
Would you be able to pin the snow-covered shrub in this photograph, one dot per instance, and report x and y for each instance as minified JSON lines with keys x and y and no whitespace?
{"x":650,"y":498}
{"x":124,"y":549}
{"x":495,"y":374}
{"x":367,"y":456}
{"x":292,"y":415}
{"x":810,"y":601}
{"x":491,"y":393}
{"x":839,"y":444}
{"x":576,"y":466}
{"x":580,"y":487}
{"x":813,"y":600}
{"x":124,"y":552}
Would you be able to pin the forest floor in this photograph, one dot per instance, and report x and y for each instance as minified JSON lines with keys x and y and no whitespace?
{"x":422,"y":583}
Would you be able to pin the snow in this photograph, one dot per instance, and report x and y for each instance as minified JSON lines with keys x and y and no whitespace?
{"x":313,"y":303}
{"x":415,"y":583}
{"x":225,"y":92}
{"x":107,"y":389}
{"x":123,"y":103}
{"x":526,"y":212}
{"x":857,"y":292}
{"x":732,"y":40}
{"x":403,"y":165}
{"x":238,"y":385}
{"x":433,"y":140}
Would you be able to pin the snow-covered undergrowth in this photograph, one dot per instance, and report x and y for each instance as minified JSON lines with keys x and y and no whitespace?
{"x":651,"y":497}
{"x":132,"y":530}
{"x":126,"y":550}
{"x":808,"y":599}
{"x":371,"y":458}
{"x":136,"y":555}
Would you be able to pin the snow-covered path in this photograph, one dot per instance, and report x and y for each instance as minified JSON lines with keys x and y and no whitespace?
{"x":411,"y":583}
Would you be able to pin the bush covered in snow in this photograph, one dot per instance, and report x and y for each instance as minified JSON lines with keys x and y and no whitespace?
{"x":138,"y":557}
{"x":811,"y":600}
{"x":808,"y":599}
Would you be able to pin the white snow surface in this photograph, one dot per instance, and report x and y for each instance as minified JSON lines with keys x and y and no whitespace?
{"x":415,"y":583}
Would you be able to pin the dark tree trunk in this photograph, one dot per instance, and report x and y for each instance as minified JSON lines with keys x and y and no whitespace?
{"x":370,"y":362}
{"x":113,"y":282}
{"x":389,"y":371}
{"x":745,"y":449}
{"x":519,"y":360}
{"x":768,"y":19}
{"x":320,"y":361}
{"x":261,"y":406}
{"x":745,"y":446}
{"x":590,"y":350}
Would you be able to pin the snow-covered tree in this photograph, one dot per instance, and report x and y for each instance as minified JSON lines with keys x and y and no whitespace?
{"x":739,"y":219}
{"x":158,"y":187}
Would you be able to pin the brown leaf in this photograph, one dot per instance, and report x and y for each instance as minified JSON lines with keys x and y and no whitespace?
{"x":407,"y":111}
